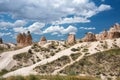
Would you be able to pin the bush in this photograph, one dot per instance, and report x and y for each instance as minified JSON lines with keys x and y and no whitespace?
{"x":52,"y":53}
{"x":74,"y":50}
{"x":31,"y":77}
{"x":85,"y":50}
{"x":75,"y":55}
{"x":30,"y":51}
{"x":24,"y":55}
{"x":3,"y":71}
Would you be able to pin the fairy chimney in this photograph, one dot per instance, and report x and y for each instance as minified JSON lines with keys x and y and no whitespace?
{"x":28,"y":39}
{"x":43,"y":40}
{"x":71,"y":39}
{"x":24,"y":40}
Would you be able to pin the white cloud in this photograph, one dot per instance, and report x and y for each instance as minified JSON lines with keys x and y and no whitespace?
{"x":87,"y":28}
{"x":51,"y":10}
{"x":17,"y":23}
{"x":104,"y":7}
{"x":20,"y":29}
{"x":5,"y":34}
{"x":60,"y":30}
{"x":55,"y":33}
{"x":34,"y":28}
{"x":72,"y":20}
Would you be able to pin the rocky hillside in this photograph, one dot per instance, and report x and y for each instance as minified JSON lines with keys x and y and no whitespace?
{"x":106,"y":63}
{"x":53,"y":58}
{"x":7,"y":47}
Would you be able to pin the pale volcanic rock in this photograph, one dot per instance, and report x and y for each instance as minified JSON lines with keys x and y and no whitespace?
{"x":102,"y":36}
{"x":113,"y":32}
{"x":43,"y":40}
{"x":24,"y":40}
{"x":89,"y":37}
{"x":28,"y":39}
{"x":71,"y":39}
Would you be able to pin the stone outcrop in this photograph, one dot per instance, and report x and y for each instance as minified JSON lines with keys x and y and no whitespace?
{"x":113,"y":32}
{"x":102,"y":36}
{"x":24,"y":40}
{"x":1,"y":41}
{"x":43,"y":40}
{"x":89,"y":37}
{"x":71,"y":39}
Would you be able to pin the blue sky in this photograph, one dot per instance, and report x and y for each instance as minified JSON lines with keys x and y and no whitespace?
{"x":55,"y":19}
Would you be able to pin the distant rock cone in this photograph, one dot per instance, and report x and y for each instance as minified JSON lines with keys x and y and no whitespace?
{"x":71,"y":39}
{"x":23,"y":39}
{"x":1,"y":41}
{"x":43,"y":40}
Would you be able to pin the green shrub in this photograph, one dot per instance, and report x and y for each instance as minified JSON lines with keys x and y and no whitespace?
{"x":31,"y":77}
{"x":75,"y":55}
{"x":52,"y":53}
{"x":85,"y":50}
{"x":24,"y":55}
{"x":3,"y":71}
{"x":74,"y":49}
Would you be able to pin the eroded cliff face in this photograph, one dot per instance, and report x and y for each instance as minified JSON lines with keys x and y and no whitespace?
{"x":113,"y":32}
{"x":23,"y":39}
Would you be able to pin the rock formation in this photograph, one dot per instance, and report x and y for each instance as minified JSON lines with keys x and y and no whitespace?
{"x":113,"y":32}
{"x":43,"y":40}
{"x":1,"y":41}
{"x":28,"y":39}
{"x":71,"y":39}
{"x":102,"y":36}
{"x":89,"y":37}
{"x":24,"y":40}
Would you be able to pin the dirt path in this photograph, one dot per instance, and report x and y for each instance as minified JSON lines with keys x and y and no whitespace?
{"x":72,"y":62}
{"x":6,"y":58}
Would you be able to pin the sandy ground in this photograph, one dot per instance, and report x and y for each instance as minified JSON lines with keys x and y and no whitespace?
{"x":6,"y":58}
